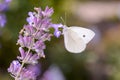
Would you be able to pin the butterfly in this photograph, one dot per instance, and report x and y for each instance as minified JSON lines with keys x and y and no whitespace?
{"x":76,"y":38}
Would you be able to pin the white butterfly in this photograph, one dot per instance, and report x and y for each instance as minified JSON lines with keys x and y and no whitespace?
{"x":76,"y":38}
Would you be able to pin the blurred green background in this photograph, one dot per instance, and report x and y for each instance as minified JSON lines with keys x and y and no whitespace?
{"x":101,"y":59}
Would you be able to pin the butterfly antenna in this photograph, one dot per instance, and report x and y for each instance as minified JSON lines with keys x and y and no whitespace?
{"x":65,"y":18}
{"x":62,"y":20}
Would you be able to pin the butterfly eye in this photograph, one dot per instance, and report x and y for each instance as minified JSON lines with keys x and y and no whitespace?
{"x":83,"y":35}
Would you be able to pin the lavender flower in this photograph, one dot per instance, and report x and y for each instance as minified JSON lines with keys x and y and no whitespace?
{"x":14,"y":67}
{"x":4,"y":4}
{"x":31,"y":58}
{"x":53,"y":73}
{"x":36,"y":69}
{"x":25,"y":41}
{"x":31,"y":18}
{"x":37,"y":32}
{"x":57,"y":33}
{"x":2,"y":20}
{"x":29,"y":30}
{"x":31,"y":41}
{"x":29,"y":73}
{"x":39,"y":46}
{"x":48,"y":12}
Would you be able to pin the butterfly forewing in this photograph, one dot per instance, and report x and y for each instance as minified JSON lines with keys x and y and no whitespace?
{"x":85,"y":34}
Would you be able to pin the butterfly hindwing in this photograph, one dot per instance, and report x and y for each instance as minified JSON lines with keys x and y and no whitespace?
{"x":73,"y":42}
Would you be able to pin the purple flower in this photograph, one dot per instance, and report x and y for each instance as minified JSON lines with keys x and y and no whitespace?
{"x":14,"y":67}
{"x":32,"y":43}
{"x":57,"y":33}
{"x":36,"y":69}
{"x":41,"y":35}
{"x":39,"y":47}
{"x":53,"y":73}
{"x":25,"y":41}
{"x":32,"y":58}
{"x":30,"y":19}
{"x":45,"y":24}
{"x":27,"y":74}
{"x":2,"y":20}
{"x":4,"y":4}
{"x":29,"y":30}
{"x":48,"y":12}
{"x":46,"y":37}
{"x":28,"y":57}
{"x":41,"y":19}
{"x":30,"y":73}
{"x":23,"y":54}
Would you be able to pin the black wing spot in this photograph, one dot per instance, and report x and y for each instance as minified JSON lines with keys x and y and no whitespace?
{"x":84,"y":36}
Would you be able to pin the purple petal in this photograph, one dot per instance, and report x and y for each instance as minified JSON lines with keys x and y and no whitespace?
{"x":30,"y":19}
{"x":57,"y":34}
{"x":29,"y":30}
{"x":27,"y":75}
{"x":48,"y":12}
{"x":14,"y":67}
{"x":25,"y":41}
{"x":22,"y":52}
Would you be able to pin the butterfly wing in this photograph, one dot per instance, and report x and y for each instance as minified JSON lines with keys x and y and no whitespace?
{"x":85,"y":34}
{"x":73,"y":43}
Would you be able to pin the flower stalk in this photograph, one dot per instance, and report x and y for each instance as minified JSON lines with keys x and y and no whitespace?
{"x":31,"y":41}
